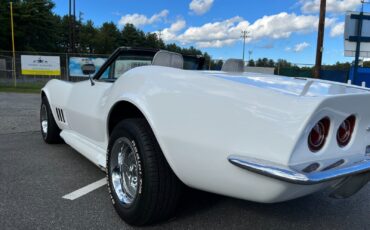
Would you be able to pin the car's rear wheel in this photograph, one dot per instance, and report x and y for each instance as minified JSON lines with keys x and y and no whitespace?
{"x":49,"y":128}
{"x":142,"y":186}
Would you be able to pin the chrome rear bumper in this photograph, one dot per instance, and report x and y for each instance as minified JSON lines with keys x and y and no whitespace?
{"x":290,"y":175}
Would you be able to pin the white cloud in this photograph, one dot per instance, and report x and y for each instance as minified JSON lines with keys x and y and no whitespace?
{"x":282,"y":25}
{"x":169,"y":34}
{"x":228,"y":32}
{"x":200,"y":7}
{"x":332,"y":6}
{"x":337,"y":29}
{"x":141,"y":20}
{"x":300,"y":46}
{"x":215,"y":34}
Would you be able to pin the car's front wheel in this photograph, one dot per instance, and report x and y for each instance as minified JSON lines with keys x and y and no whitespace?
{"x":142,"y":186}
{"x":49,"y":128}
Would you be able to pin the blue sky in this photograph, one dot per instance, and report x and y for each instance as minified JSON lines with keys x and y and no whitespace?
{"x":278,"y":28}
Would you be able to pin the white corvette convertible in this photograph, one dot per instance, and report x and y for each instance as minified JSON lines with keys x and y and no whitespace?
{"x":153,"y":126}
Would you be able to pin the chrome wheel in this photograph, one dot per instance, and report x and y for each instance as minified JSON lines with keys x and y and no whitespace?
{"x":124,"y":169}
{"x":44,"y":119}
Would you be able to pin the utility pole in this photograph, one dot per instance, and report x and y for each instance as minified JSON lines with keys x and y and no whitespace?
{"x":159,"y":34}
{"x":245,"y":35}
{"x":69,"y":27}
{"x":250,"y":52}
{"x":71,"y":24}
{"x":13,"y":46}
{"x":320,"y":39}
{"x":74,"y":28}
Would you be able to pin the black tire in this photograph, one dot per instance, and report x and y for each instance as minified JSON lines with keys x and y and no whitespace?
{"x":158,"y":188}
{"x":52,"y":133}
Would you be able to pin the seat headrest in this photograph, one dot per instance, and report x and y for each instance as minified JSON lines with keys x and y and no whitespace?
{"x":233,"y":65}
{"x":169,"y":59}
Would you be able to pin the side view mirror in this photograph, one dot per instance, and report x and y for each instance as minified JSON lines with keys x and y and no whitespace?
{"x":88,"y":69}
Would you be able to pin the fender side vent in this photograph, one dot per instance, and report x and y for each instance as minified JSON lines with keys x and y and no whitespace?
{"x":60,"y":115}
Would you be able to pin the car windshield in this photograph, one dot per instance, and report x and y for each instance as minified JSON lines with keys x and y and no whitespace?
{"x":129,"y":59}
{"x":125,"y":63}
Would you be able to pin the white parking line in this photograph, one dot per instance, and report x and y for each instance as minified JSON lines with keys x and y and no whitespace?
{"x":85,"y":190}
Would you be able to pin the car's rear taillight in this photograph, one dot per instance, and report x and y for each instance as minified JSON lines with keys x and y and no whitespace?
{"x":345,"y":131}
{"x":318,"y":135}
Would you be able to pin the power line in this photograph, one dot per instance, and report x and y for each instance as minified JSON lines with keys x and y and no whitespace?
{"x":245,"y":35}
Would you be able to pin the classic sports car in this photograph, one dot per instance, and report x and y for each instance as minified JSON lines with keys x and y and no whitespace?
{"x":256,"y":137}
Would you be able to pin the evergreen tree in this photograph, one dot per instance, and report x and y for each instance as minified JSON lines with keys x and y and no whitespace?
{"x":251,"y":63}
{"x":35,"y":25}
{"x":88,"y":36}
{"x":107,"y":38}
{"x":132,"y":37}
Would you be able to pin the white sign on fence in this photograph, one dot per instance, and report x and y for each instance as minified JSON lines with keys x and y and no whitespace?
{"x":40,"y":65}
{"x":76,"y":63}
{"x":350,"y":30}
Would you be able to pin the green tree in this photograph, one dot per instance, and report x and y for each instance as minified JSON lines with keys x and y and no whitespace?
{"x":251,"y":63}
{"x":271,"y":63}
{"x":35,"y":25}
{"x":191,"y":51}
{"x":107,"y":38}
{"x":366,"y":64}
{"x":63,"y":33}
{"x":152,"y":41}
{"x":132,"y":37}
{"x":216,"y":64}
{"x":282,"y":63}
{"x":339,"y":66}
{"x":207,"y":62}
{"x":173,"y":48}
{"x":37,"y":28}
{"x":88,"y":35}
{"x":5,"y":39}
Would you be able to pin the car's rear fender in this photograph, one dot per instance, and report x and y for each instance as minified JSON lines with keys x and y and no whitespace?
{"x":337,"y":109}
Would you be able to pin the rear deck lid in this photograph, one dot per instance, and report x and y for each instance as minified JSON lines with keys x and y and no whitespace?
{"x":290,"y":85}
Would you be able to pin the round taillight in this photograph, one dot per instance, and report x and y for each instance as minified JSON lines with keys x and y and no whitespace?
{"x":345,"y":131}
{"x":318,"y":135}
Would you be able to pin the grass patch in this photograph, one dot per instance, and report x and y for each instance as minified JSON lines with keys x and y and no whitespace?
{"x":22,"y":88}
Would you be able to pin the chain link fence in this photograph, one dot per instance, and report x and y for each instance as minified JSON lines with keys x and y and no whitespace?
{"x":330,"y":73}
{"x":8,"y":76}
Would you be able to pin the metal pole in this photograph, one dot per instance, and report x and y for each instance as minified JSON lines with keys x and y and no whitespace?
{"x":67,"y":67}
{"x":74,"y":27}
{"x":69,"y":28}
{"x":244,"y":36}
{"x":13,"y":46}
{"x":358,"y":42}
{"x":243,"y":46}
{"x":320,"y":39}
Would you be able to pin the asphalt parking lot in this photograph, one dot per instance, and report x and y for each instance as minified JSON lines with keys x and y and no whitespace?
{"x":35,"y":176}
